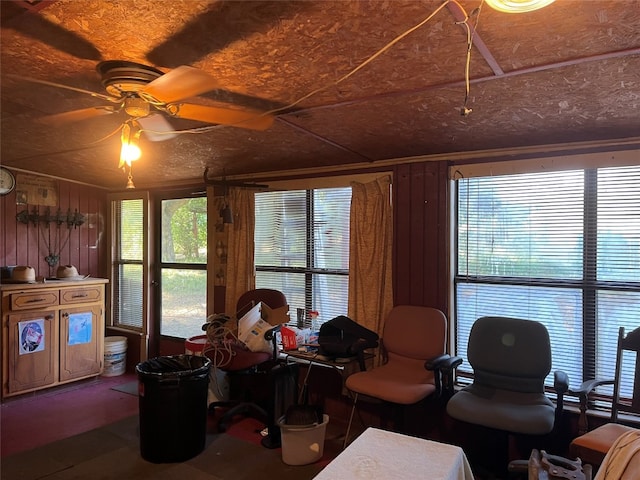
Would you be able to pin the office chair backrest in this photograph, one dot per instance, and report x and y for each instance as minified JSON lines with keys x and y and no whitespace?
{"x":509,"y":354}
{"x":631,"y":345}
{"x":273,"y":298}
{"x":415,"y":332}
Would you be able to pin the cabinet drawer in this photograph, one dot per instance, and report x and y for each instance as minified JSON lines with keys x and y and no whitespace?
{"x":24,"y":300}
{"x":80,"y":295}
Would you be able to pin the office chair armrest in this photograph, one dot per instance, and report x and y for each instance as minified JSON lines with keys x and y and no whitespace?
{"x":583,"y":391}
{"x":560,"y":382}
{"x":560,"y":385}
{"x":443,"y":367}
{"x":444,"y":362}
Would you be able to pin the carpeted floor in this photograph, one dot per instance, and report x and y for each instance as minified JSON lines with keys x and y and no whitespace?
{"x":113,"y":452}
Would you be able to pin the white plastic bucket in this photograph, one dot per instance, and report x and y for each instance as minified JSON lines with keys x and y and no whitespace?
{"x":115,"y":356}
{"x":301,"y":444}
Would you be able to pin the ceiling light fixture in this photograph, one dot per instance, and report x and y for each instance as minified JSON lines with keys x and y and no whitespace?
{"x":518,"y":6}
{"x":130,"y":148}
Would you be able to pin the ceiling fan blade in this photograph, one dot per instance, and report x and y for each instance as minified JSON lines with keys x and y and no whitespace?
{"x":250,"y":119}
{"x":27,"y":22}
{"x":77,"y":115}
{"x":234,"y":21}
{"x":66,"y":87}
{"x":178,"y":84}
{"x":156,"y":128}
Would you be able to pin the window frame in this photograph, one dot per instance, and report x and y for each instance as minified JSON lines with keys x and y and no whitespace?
{"x":116,"y":262}
{"x":308,"y":270}
{"x":589,"y":285}
{"x":160,"y":265}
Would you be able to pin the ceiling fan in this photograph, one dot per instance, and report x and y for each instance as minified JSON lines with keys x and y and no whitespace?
{"x":145,"y":93}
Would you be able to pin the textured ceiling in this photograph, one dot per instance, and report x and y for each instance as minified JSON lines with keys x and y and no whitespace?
{"x":567,"y":73}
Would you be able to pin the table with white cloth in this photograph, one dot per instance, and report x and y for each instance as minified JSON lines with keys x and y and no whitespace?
{"x":379,"y":454}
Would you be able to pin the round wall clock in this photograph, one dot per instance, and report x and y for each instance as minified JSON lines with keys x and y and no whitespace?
{"x":7,"y":181}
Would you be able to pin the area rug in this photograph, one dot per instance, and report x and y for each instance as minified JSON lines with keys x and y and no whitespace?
{"x":113,"y":452}
{"x":131,"y":388}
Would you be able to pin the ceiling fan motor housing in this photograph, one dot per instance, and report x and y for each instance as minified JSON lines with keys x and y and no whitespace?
{"x":136,"y":106}
{"x":120,"y":77}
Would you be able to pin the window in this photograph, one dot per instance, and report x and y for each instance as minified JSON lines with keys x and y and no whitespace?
{"x":127,"y":269}
{"x":302,"y":249}
{"x":183,"y":266}
{"x":562,"y":248}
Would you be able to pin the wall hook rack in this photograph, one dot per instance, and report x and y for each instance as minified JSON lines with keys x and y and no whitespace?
{"x":72,"y":219}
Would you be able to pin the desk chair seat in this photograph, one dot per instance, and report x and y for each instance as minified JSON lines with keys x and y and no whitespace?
{"x":518,"y":412}
{"x":402,"y":380}
{"x":593,"y":446}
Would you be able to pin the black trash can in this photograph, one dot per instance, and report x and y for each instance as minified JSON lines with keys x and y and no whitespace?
{"x":173,"y":407}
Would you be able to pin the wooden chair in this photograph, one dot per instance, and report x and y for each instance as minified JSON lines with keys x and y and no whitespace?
{"x":592,"y":446}
{"x":414,"y":361}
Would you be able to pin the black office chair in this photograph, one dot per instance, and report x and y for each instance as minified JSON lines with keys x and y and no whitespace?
{"x":511,"y":359}
{"x":260,"y":386}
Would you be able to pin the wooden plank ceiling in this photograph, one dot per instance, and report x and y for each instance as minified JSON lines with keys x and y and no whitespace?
{"x":566,"y":73}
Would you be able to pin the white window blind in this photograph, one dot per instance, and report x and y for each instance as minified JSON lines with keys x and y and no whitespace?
{"x":302,"y":249}
{"x":128,"y":274}
{"x":562,"y":248}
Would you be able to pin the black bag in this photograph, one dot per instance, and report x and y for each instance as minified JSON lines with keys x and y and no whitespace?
{"x":342,"y":337}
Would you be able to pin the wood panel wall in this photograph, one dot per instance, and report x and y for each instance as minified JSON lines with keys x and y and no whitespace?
{"x":421,"y":238}
{"x":83,"y":246}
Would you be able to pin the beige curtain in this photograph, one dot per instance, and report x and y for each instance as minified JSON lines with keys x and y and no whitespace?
{"x":240,"y":275}
{"x":370,"y":250}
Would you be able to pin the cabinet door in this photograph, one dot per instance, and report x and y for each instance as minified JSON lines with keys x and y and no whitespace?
{"x":81,"y":334}
{"x":32,"y":340}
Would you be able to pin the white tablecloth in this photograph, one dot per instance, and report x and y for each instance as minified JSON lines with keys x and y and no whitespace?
{"x":378,"y":454}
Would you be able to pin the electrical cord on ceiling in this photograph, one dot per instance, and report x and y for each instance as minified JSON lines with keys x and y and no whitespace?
{"x":364,"y":63}
{"x":465,"y":110}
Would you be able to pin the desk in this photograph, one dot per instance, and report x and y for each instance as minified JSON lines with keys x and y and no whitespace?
{"x":381,"y":455}
{"x":344,"y":367}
